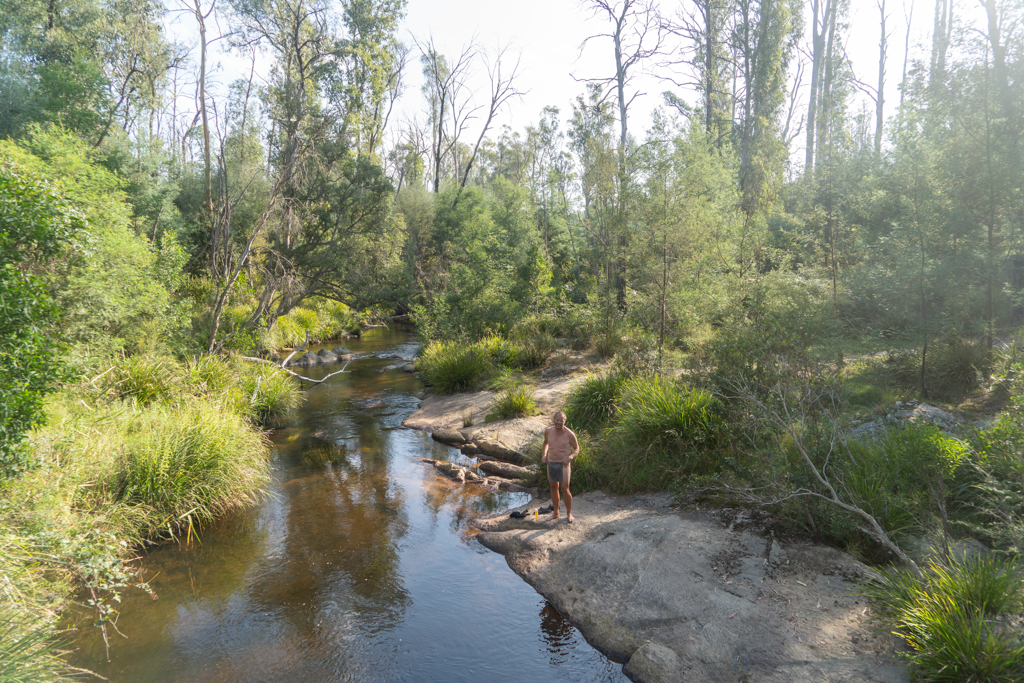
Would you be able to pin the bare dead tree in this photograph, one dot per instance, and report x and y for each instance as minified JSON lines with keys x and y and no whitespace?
{"x":448,"y":96}
{"x":503,"y":89}
{"x":883,"y":45}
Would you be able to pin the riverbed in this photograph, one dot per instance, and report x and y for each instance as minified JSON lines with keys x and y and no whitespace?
{"x":362,"y":570}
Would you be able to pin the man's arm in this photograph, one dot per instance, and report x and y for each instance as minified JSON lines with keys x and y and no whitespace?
{"x":544,"y":451}
{"x":575,"y":445}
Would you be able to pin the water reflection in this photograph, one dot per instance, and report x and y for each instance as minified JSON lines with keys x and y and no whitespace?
{"x":363,"y":569}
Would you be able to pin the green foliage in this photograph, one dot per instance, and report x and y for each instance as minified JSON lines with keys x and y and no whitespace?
{"x":592,"y":404}
{"x":28,"y":649}
{"x":513,"y":402}
{"x":950,"y":617}
{"x":111,"y":291}
{"x":36,"y":225}
{"x":451,"y":367}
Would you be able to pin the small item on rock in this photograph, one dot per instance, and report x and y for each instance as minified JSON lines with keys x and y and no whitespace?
{"x":517,"y":514}
{"x":546,"y":510}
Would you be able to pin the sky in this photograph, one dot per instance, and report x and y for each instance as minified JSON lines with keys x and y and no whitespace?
{"x":547,"y":37}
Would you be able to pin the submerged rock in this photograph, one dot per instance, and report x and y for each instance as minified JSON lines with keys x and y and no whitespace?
{"x":328,"y":356}
{"x":341,"y":351}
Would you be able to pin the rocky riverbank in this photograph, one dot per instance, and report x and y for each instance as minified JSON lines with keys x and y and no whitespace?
{"x":676,"y":596}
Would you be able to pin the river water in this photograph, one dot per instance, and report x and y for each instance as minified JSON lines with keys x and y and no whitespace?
{"x":364,"y":570}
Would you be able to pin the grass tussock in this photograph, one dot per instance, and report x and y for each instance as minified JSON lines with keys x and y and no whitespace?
{"x":593,"y":402}
{"x":955,"y":618}
{"x":451,"y":367}
{"x":512,"y":403}
{"x":642,"y":432}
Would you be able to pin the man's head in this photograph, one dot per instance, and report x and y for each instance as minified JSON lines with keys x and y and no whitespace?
{"x":558,"y":419}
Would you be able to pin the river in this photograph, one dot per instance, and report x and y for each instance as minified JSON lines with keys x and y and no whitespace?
{"x":364,"y":570}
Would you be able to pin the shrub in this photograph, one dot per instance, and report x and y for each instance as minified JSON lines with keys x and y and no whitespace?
{"x":513,"y":402}
{"x":950,"y":617}
{"x":592,"y":402}
{"x":638,"y":354}
{"x":452,"y":367}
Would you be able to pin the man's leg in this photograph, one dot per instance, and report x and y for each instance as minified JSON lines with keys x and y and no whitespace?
{"x":566,"y":495}
{"x":554,"y":500}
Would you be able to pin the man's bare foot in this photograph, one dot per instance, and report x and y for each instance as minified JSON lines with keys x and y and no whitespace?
{"x":571,"y":519}
{"x":553,"y":517}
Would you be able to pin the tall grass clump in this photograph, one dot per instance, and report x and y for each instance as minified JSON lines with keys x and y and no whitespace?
{"x":144,"y":379}
{"x":954,"y":617}
{"x":660,"y":413}
{"x":592,"y":404}
{"x":453,"y":367}
{"x":176,"y":466}
{"x":272,"y":397}
{"x":958,"y":366}
{"x":513,"y":402}
{"x":501,"y":351}
{"x":664,"y":431}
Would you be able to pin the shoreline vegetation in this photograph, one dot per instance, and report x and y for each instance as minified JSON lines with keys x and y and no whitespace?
{"x":148,"y":451}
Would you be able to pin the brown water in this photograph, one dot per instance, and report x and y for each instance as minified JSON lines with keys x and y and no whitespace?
{"x":365,"y":570}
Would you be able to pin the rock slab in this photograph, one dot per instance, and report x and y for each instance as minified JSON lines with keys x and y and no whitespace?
{"x":678,"y":597}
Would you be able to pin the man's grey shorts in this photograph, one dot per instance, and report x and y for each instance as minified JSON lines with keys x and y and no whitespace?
{"x":555,"y":472}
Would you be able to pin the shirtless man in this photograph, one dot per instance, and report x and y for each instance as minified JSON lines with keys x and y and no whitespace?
{"x":560,"y":447}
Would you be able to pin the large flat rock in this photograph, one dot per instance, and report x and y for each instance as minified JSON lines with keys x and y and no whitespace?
{"x":679,"y":597}
{"x":448,"y":412}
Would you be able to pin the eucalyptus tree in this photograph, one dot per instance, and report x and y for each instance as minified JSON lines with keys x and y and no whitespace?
{"x":88,"y":65}
{"x":827,"y":25}
{"x":328,"y":202}
{"x":704,"y":27}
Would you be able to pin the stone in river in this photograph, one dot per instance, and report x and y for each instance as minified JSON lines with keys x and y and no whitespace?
{"x":451,"y":437}
{"x":505,"y":470}
{"x":498,"y":450}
